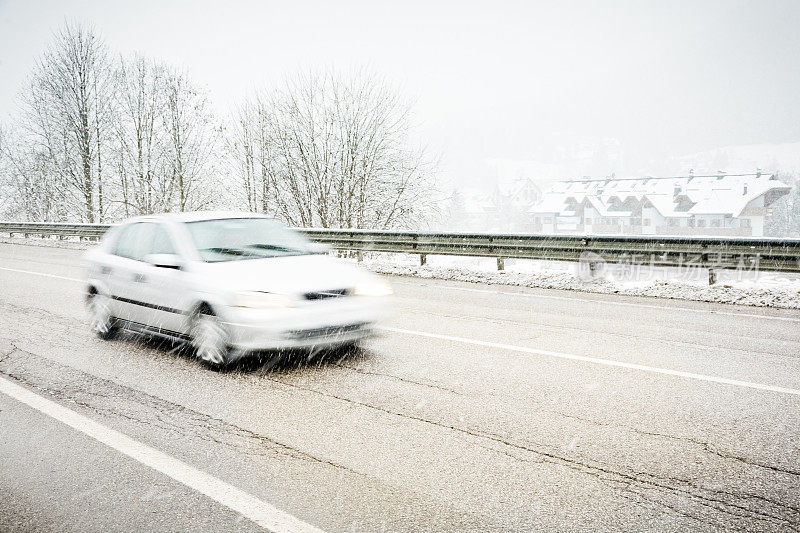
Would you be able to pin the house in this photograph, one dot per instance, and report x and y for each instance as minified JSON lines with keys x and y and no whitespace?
{"x":720,"y":204}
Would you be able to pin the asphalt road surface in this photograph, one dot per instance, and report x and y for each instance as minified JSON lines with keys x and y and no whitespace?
{"x":477,"y":408}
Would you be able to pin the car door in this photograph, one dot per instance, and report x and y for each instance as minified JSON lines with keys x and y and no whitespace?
{"x":126,"y":272}
{"x":165,"y":291}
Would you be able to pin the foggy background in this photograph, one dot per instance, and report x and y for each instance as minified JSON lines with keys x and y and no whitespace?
{"x":545,"y":90}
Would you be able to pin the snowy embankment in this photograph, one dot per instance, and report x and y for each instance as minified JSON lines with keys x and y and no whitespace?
{"x":71,"y":243}
{"x":760,"y":289}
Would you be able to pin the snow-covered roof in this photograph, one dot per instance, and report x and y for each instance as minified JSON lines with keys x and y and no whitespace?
{"x":550,"y":203}
{"x":681,"y":196}
{"x":598,"y":205}
{"x":665,"y":204}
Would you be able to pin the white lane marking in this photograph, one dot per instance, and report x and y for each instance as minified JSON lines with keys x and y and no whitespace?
{"x":262,"y":513}
{"x":41,"y":274}
{"x":630,"y":304}
{"x":598,"y":361}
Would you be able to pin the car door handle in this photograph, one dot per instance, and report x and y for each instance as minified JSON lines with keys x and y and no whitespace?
{"x":140,"y":278}
{"x":105,"y":270}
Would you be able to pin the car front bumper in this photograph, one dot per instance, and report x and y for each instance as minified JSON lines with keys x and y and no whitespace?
{"x":315,"y":324}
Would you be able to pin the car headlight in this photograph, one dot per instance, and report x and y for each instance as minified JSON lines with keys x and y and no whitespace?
{"x":261,"y":300}
{"x":373,"y":287}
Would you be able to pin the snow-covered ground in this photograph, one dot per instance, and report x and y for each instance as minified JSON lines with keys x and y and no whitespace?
{"x":761,"y":289}
{"x":69,"y":242}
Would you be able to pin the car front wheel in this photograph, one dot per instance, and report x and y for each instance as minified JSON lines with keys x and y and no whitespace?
{"x":210,"y":339}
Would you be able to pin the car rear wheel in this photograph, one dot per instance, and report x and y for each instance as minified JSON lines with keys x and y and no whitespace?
{"x":101,"y":321}
{"x":210,"y":339}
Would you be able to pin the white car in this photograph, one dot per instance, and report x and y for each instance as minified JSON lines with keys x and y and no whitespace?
{"x":228,"y":283}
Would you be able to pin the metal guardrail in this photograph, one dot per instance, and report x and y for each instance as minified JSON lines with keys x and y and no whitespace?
{"x":707,"y":252}
{"x":55,"y":229}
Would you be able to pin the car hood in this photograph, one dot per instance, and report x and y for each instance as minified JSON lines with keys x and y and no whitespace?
{"x":296,"y":274}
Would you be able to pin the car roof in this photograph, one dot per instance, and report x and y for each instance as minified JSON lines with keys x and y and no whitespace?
{"x":195,"y":216}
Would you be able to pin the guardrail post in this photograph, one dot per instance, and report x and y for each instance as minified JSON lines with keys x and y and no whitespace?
{"x":712,"y":276}
{"x":359,"y":256}
{"x":501,"y":263}
{"x":423,"y":259}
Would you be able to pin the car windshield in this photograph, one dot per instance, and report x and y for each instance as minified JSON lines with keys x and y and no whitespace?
{"x":234,"y":239}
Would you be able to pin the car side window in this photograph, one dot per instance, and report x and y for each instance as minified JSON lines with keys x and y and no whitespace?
{"x":126,"y":241}
{"x":162,"y":242}
{"x":134,"y":241}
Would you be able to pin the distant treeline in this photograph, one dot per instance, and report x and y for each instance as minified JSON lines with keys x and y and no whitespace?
{"x":100,"y":137}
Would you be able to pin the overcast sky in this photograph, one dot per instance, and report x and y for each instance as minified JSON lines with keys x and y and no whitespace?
{"x":492,"y":80}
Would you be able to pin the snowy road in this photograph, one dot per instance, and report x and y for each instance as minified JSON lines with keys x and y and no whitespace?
{"x":478,"y":408}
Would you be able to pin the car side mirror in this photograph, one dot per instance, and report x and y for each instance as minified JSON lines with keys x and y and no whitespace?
{"x":319,"y":248}
{"x":165,"y":261}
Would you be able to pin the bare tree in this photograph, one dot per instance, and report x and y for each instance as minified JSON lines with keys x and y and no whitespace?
{"x":97,"y":141}
{"x":6,"y":194}
{"x":27,"y":188}
{"x":192,"y":145}
{"x":252,"y":155}
{"x":333,"y":151}
{"x":140,"y":89}
{"x":67,"y":106}
{"x":785,"y":218}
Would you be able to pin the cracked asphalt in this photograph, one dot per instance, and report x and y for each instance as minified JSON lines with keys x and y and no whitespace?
{"x":412,"y":433}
